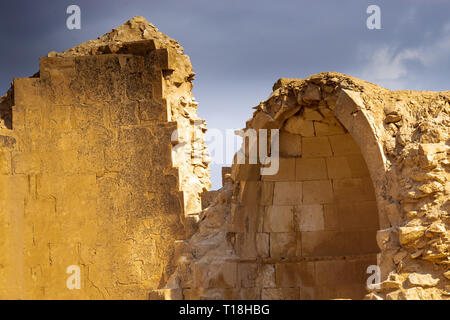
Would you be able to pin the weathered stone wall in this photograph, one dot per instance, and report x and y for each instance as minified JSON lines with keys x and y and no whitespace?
{"x":355,"y":158}
{"x":86,"y":170}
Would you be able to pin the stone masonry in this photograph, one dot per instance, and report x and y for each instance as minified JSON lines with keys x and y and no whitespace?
{"x":363,"y":180}
{"x":103,"y":166}
{"x":86,"y":170}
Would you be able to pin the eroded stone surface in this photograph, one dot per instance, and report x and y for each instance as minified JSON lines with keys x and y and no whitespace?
{"x":370,"y":164}
{"x":91,"y":172}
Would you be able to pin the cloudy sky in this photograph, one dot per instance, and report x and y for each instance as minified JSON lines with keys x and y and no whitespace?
{"x":240,"y":48}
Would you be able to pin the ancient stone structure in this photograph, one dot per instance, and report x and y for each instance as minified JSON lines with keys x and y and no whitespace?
{"x":86,"y":171}
{"x":103,"y":165}
{"x":363,"y":180}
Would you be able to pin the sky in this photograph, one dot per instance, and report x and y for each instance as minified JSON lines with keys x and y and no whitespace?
{"x":240,"y":48}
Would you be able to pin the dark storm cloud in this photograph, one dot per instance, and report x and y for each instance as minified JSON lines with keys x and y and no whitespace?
{"x":239,"y":48}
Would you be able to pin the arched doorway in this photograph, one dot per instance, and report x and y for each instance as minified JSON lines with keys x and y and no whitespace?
{"x":315,"y":220}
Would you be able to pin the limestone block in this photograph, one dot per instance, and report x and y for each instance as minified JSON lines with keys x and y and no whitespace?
{"x":283,"y":244}
{"x":312,"y":93}
{"x":330,"y":216}
{"x":357,"y":214}
{"x":266,"y":276}
{"x":312,"y":115}
{"x":329,"y":127}
{"x":124,"y":114}
{"x":248,"y":274}
{"x":338,"y":168}
{"x":286,"y":171}
{"x":290,"y":144}
{"x":148,"y":112}
{"x":357,"y":165}
{"x":262,"y":245}
{"x":27,"y":91}
{"x":287,"y":193}
{"x":5,"y":162}
{"x":298,"y":125}
{"x":310,"y":169}
{"x":267,"y":189}
{"x":316,"y":147}
{"x":317,"y":192}
{"x":310,"y":218}
{"x":408,"y":235}
{"x":292,"y":275}
{"x":42,"y":213}
{"x":279,"y":219}
{"x":246,"y":218}
{"x":249,"y":193}
{"x":19,"y":121}
{"x":343,"y":145}
{"x":246,"y":245}
{"x":26,"y":163}
{"x":333,"y":272}
{"x":355,"y":189}
{"x":431,"y":148}
{"x":332,"y":243}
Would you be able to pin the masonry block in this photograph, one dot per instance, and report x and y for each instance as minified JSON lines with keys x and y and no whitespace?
{"x":250,"y":193}
{"x":279,"y":219}
{"x":331,"y":217}
{"x":283,"y":244}
{"x":310,"y":169}
{"x":246,"y":245}
{"x":290,"y":144}
{"x":286,"y":171}
{"x":314,"y":147}
{"x":292,"y":275}
{"x":287,"y":193}
{"x":357,"y":215}
{"x":267,"y":189}
{"x":262,"y":245}
{"x":317,"y":192}
{"x":343,"y":145}
{"x":353,"y":189}
{"x":310,"y":217}
{"x":328,"y":127}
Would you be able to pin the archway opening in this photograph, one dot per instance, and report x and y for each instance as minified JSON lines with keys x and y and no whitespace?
{"x":319,"y":212}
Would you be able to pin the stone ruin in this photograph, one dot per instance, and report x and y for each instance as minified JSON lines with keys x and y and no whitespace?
{"x":103,"y":165}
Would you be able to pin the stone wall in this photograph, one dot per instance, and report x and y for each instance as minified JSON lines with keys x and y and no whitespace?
{"x":88,"y":172}
{"x":363,"y":179}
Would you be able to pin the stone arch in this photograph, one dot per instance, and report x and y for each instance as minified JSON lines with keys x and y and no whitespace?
{"x":231,"y":253}
{"x":315,"y":221}
{"x":351,"y":112}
